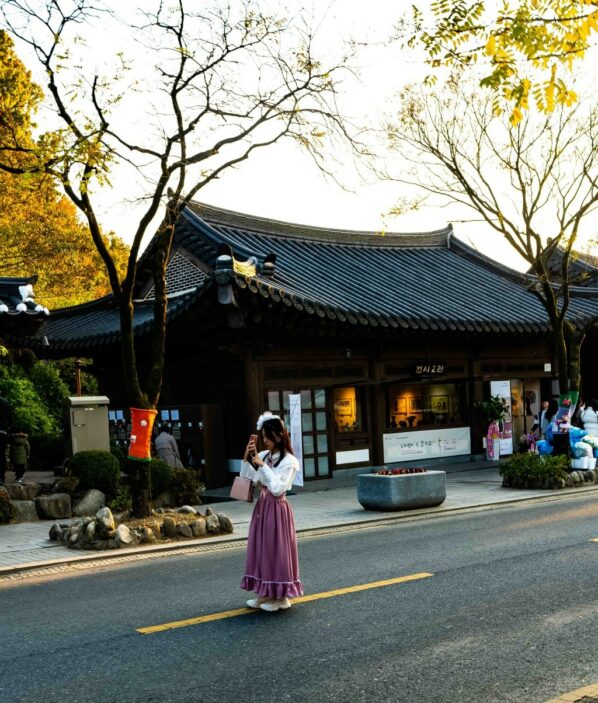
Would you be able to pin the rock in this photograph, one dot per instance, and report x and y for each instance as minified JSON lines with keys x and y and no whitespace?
{"x":22,"y":491}
{"x":67,"y":484}
{"x":212,"y":523}
{"x":90,"y":531}
{"x":156,"y":527}
{"x":55,"y":533}
{"x":170,"y":527}
{"x":4,"y":493}
{"x":90,"y":503}
{"x":170,"y":511}
{"x":226,"y":524}
{"x":105,"y":523}
{"x":124,"y":535}
{"x":147,"y":535}
{"x":185,"y":529}
{"x":53,"y":506}
{"x":209,"y":512}
{"x":198,"y":527}
{"x":187,"y":509}
{"x":587,"y":477}
{"x":561,"y":483}
{"x":24,"y":511}
{"x":569,"y":480}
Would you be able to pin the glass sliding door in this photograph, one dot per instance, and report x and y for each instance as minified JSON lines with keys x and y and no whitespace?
{"x":314,"y":427}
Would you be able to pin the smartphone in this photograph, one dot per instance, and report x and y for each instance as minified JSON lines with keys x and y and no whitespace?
{"x":254,"y":438}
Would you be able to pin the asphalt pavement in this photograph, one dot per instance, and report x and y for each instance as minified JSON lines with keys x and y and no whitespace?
{"x":323,"y":505}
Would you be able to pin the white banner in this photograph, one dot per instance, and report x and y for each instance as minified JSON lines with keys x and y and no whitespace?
{"x":426,"y":444}
{"x":296,"y":434}
{"x":503,"y":390}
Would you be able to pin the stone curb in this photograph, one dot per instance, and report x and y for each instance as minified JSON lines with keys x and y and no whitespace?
{"x":440,"y":511}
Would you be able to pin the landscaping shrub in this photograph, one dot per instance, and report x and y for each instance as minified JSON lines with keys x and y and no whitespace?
{"x":120,"y":455}
{"x":160,"y":477}
{"x":534,"y":471}
{"x":122,"y":500}
{"x":185,"y":486}
{"x":6,"y":509}
{"x":47,"y":451}
{"x":96,"y":469}
{"x":29,"y":411}
{"x":51,"y":389}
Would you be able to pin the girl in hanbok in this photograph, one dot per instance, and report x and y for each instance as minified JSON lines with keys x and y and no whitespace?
{"x":272,"y":566}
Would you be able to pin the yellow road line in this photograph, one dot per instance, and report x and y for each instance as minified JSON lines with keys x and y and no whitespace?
{"x":302,"y":599}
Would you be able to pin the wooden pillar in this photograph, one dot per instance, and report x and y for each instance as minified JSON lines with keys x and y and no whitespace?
{"x":377,"y":404}
{"x":254,"y":401}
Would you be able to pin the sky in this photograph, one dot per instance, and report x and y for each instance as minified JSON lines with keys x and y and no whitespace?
{"x":282,"y":182}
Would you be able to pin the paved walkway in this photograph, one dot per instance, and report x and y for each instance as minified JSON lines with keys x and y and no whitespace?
{"x":25,"y":546}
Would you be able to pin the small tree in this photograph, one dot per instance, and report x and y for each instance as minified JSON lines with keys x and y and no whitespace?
{"x":226,"y":83}
{"x":535,"y":183}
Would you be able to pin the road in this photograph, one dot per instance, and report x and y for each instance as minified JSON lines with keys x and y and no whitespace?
{"x":509,"y":613}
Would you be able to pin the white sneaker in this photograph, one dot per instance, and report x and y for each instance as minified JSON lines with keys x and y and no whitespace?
{"x":256,"y":602}
{"x":274,"y":605}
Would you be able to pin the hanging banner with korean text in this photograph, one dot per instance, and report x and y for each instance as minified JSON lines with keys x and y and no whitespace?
{"x":426,"y":444}
{"x":503,"y":390}
{"x":296,"y":434}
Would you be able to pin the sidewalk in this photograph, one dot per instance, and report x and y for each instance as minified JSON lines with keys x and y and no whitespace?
{"x":26,"y":546}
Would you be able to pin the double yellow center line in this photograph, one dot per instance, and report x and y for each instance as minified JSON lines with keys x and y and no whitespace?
{"x":303,"y":599}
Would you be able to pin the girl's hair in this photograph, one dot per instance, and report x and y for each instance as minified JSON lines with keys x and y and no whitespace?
{"x":276,"y":432}
{"x":553,"y":406}
{"x":594,"y":404}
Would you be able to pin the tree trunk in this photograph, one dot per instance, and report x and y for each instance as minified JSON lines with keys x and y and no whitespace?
{"x":140,"y":483}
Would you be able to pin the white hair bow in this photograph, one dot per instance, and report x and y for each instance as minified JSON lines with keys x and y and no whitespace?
{"x":267,"y":416}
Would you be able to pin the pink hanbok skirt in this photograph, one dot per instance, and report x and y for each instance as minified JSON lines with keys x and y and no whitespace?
{"x":272,"y":565}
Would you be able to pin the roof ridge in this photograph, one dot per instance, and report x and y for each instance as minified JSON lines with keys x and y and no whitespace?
{"x":265,"y":225}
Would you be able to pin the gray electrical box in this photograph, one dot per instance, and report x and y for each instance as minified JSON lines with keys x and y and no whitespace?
{"x":88,"y":422}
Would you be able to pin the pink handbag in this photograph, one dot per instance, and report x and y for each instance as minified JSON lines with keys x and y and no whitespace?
{"x":242,"y":489}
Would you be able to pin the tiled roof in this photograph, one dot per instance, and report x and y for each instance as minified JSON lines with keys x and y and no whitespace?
{"x":409,"y":281}
{"x":88,"y":326}
{"x":429,"y":281}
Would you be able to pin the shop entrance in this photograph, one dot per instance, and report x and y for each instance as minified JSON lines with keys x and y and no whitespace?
{"x":314,"y":428}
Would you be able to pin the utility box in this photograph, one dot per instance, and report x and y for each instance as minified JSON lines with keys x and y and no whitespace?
{"x":88,"y":423}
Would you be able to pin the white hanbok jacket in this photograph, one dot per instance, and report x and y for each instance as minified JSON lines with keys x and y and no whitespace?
{"x":277,"y":479}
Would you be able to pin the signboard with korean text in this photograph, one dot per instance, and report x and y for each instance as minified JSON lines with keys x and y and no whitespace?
{"x":428,"y":368}
{"x":426,"y":444}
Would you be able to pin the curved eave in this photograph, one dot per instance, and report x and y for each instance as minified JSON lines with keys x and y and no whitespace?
{"x":71,"y":337}
{"x":281,"y":296}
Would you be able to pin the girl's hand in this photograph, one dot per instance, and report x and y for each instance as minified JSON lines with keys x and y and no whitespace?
{"x":258,"y":461}
{"x":250,"y":450}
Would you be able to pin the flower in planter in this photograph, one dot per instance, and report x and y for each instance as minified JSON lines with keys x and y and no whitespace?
{"x":400,"y":471}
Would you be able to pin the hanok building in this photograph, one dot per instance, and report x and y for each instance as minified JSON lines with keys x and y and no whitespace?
{"x":388,"y":339}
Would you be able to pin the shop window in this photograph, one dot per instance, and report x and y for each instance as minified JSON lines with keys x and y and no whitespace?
{"x":420,"y":406}
{"x":348,"y":409}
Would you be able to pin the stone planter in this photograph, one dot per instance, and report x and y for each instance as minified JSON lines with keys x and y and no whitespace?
{"x":402,"y":492}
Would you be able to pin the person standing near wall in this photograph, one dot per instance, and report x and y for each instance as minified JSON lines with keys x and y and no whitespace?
{"x":19,"y":453}
{"x":168,"y":449}
{"x":5,"y":420}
